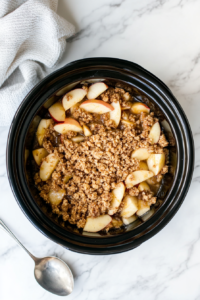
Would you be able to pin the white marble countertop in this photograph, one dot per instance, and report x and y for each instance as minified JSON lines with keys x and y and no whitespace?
{"x":164,"y":37}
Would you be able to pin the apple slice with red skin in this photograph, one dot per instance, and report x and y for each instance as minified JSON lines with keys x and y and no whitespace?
{"x":115,"y":114}
{"x":73,"y":97}
{"x":57,"y":112}
{"x":154,"y":134}
{"x":55,"y":197}
{"x":48,"y":165}
{"x":130,"y":206}
{"x":41,"y":130}
{"x":141,"y":154}
{"x":69,"y":125}
{"x":139,"y":107}
{"x":137,"y":177}
{"x":39,"y":154}
{"x":86,"y":131}
{"x":156,"y":162}
{"x":97,"y":224}
{"x":96,"y":106}
{"x":96,"y":89}
{"x":129,"y":220}
{"x":143,"y":207}
{"x":117,"y":196}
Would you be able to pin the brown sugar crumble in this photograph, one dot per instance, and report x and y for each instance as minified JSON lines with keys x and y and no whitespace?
{"x":88,"y":172}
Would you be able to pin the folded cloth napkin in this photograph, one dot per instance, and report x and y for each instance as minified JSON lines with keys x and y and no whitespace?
{"x":32,"y":40}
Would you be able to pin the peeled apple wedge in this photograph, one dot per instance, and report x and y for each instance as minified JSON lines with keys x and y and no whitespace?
{"x":143,"y":207}
{"x":156,"y":162}
{"x":48,"y":165}
{"x":117,"y":196}
{"x":86,"y":131}
{"x":130,"y":206}
{"x":97,"y":224}
{"x":67,"y":178}
{"x":129,"y":220}
{"x":73,"y":97}
{"x":115,"y":114}
{"x":141,"y":154}
{"x":96,"y":106}
{"x":137,"y":177}
{"x":96,"y":89}
{"x":143,"y":186}
{"x":55,"y":197}
{"x":41,"y":130}
{"x":143,"y":166}
{"x":69,"y":125}
{"x":139,"y":107}
{"x":57,"y":112}
{"x":154,"y":134}
{"x":78,"y":139}
{"x":39,"y":154}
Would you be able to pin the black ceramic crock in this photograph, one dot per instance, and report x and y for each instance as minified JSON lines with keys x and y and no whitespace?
{"x":145,"y":87}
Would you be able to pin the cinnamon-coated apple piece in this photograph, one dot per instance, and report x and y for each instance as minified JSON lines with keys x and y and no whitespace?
{"x":39,"y":154}
{"x":48,"y":165}
{"x":96,"y":106}
{"x":130,"y":206}
{"x":143,"y":186}
{"x":97,"y":224}
{"x":73,"y":97}
{"x":78,"y":139}
{"x":57,"y":112}
{"x":115,"y":114}
{"x":96,"y":89}
{"x":67,"y":178}
{"x":141,"y":154}
{"x":143,"y":166}
{"x":129,"y":220}
{"x":139,"y":107}
{"x":117,"y":196}
{"x":41,"y":130}
{"x":55,"y":197}
{"x":86,"y":130}
{"x":137,"y":177}
{"x":154,"y":134}
{"x":156,"y":162}
{"x":69,"y":125}
{"x":143,"y":207}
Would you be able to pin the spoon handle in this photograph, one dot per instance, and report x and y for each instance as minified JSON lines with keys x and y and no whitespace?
{"x":3,"y":226}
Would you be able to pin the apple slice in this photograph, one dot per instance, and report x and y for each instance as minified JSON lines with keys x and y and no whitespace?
{"x":96,"y":106}
{"x":143,"y":207}
{"x":141,"y":154}
{"x":127,"y":123}
{"x":48,"y":165}
{"x":137,"y":177}
{"x":143,"y":166}
{"x":57,"y":112}
{"x":39,"y":154}
{"x":139,"y":107}
{"x":69,"y":125}
{"x":143,"y":186}
{"x":73,"y":97}
{"x":96,"y":89}
{"x":49,"y":102}
{"x":78,"y":139}
{"x":154,"y":134}
{"x":115,"y":114}
{"x":129,"y":220}
{"x":127,"y":105}
{"x":97,"y":224}
{"x":117,"y":196}
{"x":67,"y":178}
{"x":156,"y":162}
{"x":55,"y":197}
{"x":66,"y":89}
{"x":41,"y":130}
{"x":130,"y":206}
{"x":92,"y":80}
{"x":86,"y":131}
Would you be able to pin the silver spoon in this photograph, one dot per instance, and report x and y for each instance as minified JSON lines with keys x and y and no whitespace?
{"x":51,"y":273}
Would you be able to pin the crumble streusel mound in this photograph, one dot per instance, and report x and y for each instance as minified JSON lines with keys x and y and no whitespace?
{"x":87,"y":172}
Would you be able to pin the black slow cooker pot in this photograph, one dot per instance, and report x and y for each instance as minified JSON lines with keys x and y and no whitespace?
{"x":146,"y":88}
